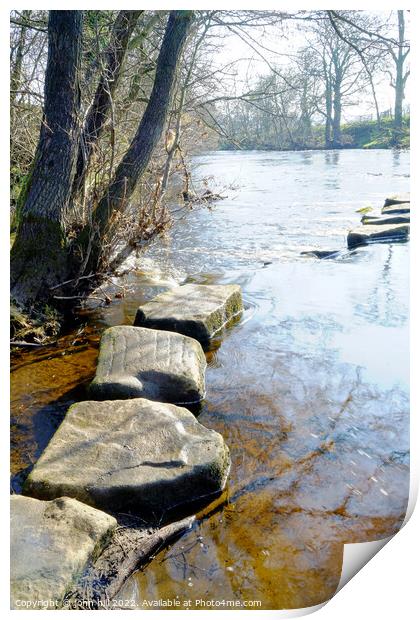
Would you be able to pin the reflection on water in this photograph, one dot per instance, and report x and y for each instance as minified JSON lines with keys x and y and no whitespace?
{"x":310,"y":390}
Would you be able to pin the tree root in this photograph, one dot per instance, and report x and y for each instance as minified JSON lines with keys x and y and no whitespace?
{"x":131,"y":546}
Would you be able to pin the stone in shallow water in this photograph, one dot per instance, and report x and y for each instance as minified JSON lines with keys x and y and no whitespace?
{"x":397,"y":199}
{"x":133,"y":455}
{"x":322,"y":254}
{"x":158,"y":365}
{"x":403,"y":207}
{"x":196,"y":310}
{"x":371,"y":234}
{"x":403,"y":218}
{"x":51,"y":544}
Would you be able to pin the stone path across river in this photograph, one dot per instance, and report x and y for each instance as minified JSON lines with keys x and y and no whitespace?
{"x":141,"y":456}
{"x":392,"y":225}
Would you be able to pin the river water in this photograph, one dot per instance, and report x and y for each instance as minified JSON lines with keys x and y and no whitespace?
{"x":309,"y":389}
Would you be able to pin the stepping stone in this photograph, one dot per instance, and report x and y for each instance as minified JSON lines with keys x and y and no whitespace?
{"x":134,"y":456}
{"x":397,"y":199}
{"x":51,"y":545}
{"x":403,"y":207}
{"x":195,"y":310}
{"x":371,"y":234}
{"x":403,"y":218}
{"x":137,"y":362}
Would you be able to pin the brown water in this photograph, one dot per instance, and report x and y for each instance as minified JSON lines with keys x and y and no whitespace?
{"x":309,"y":389}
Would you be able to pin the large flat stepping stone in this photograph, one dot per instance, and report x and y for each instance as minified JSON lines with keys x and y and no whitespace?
{"x":403,"y":218}
{"x":133,"y":455}
{"x":371,"y":234}
{"x":137,"y":362}
{"x":403,"y":207}
{"x":195,"y":310}
{"x":397,"y":199}
{"x":51,"y":545}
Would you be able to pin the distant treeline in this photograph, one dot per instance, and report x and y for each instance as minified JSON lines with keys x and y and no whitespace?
{"x":364,"y":134}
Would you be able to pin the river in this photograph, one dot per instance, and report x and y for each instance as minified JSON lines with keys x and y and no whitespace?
{"x":309,"y":389}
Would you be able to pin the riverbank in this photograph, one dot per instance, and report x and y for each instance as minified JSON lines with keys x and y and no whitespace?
{"x":354,"y":135}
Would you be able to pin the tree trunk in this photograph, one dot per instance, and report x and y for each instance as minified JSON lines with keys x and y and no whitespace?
{"x":136,"y":159}
{"x":399,"y":77}
{"x":99,"y":110}
{"x":399,"y":97}
{"x":305,"y":118}
{"x":328,"y":116}
{"x":38,"y":258}
{"x":336,"y":126}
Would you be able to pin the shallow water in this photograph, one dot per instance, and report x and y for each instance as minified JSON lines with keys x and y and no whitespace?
{"x":309,"y":389}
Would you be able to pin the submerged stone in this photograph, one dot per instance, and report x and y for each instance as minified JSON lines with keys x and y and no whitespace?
{"x":321,"y":253}
{"x":196,"y":310}
{"x":403,"y":218}
{"x":135,"y":362}
{"x":133,"y":455}
{"x":51,"y":545}
{"x":397,"y":199}
{"x":371,"y":234}
{"x":403,"y":207}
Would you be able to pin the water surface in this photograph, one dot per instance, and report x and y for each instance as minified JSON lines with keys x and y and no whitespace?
{"x":309,"y":389}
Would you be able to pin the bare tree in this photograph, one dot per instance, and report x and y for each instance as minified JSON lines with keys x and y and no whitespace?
{"x":379,"y":37}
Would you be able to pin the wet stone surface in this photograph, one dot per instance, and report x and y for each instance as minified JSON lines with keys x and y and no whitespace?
{"x":371,"y":234}
{"x":158,"y":365}
{"x":51,"y":544}
{"x":196,"y":310}
{"x":133,"y":455}
{"x":397,"y":199}
{"x":403,"y":207}
{"x":388,"y":219}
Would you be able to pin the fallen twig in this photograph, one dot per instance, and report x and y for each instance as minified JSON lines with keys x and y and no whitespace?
{"x":22,"y":343}
{"x":91,"y":275}
{"x":85,"y":297}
